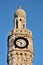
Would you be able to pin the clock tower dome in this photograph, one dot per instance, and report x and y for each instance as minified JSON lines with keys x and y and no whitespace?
{"x":20,"y":42}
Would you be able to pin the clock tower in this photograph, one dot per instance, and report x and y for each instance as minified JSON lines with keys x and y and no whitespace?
{"x":20,"y":41}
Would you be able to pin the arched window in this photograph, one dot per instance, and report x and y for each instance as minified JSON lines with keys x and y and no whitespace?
{"x":25,"y":54}
{"x":16,"y":23}
{"x":23,"y":26}
{"x":20,"y":19}
{"x":21,"y":54}
{"x":16,"y":53}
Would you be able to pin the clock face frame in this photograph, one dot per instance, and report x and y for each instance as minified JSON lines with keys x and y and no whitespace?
{"x":21,"y":38}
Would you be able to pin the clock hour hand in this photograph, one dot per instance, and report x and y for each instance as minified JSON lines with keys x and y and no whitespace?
{"x":19,"y":42}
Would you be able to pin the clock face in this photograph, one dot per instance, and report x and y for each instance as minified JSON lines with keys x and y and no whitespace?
{"x":21,"y":42}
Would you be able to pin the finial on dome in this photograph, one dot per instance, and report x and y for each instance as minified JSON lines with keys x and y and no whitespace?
{"x":19,"y":7}
{"x":20,"y":12}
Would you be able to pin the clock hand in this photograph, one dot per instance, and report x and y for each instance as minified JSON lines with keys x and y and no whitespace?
{"x":19,"y":42}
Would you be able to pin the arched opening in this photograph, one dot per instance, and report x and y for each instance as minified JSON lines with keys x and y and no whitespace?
{"x":16,"y":23}
{"x":25,"y":54}
{"x":20,"y":19}
{"x":21,"y":54}
{"x":23,"y":26}
{"x":17,"y":55}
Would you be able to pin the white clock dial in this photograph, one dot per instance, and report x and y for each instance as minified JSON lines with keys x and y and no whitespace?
{"x":21,"y":42}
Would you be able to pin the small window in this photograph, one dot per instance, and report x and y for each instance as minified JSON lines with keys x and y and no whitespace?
{"x":21,"y":54}
{"x":25,"y":54}
{"x":23,"y":26}
{"x":20,"y":19}
{"x":16,"y":53}
{"x":16,"y":23}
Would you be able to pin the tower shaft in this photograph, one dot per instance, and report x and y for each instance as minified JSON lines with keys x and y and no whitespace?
{"x":20,"y":42}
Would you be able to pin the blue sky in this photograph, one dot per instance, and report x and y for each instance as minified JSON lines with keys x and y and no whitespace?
{"x":34,"y":11}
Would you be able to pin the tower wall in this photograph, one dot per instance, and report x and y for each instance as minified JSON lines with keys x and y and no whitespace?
{"x":20,"y":42}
